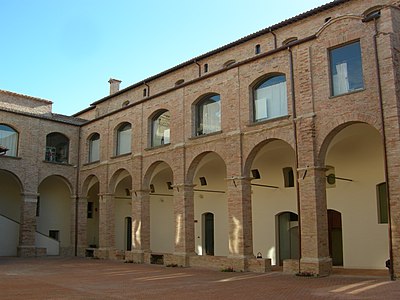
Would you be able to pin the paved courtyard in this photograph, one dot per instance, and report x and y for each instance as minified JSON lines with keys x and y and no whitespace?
{"x":78,"y":278}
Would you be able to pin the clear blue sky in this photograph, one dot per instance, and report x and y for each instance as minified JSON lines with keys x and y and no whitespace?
{"x":65,"y":51}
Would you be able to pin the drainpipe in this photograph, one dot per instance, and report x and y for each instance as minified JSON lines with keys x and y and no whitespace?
{"x":294,"y":116}
{"x":195,"y":61}
{"x":77,"y":194}
{"x":375,"y":17}
{"x":275,"y":41}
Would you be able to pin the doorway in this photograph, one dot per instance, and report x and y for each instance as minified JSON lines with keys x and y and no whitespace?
{"x":288,"y":236}
{"x":335,"y":237}
{"x":208,"y":230}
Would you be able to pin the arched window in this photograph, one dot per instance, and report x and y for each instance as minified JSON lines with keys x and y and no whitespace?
{"x":124,"y":134}
{"x":208,"y":115}
{"x":270,"y":98}
{"x":94,"y":147}
{"x":57,"y":148}
{"x":160,"y":129}
{"x":8,"y":141}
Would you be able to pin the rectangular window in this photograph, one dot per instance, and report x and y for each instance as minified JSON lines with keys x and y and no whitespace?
{"x":346,"y":69}
{"x":90,"y":210}
{"x":381,"y":194}
{"x":38,"y":206}
{"x":54,"y":234}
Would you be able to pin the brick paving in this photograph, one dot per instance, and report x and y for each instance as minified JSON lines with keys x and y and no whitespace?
{"x":79,"y":278}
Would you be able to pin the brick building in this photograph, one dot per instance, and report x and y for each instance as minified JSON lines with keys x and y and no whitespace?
{"x":280,"y":148}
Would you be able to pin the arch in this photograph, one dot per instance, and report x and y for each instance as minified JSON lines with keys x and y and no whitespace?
{"x":275,"y":105}
{"x":62,"y":178}
{"x":15,"y":177}
{"x":9,"y":140}
{"x":338,"y":127}
{"x":289,"y":40}
{"x":334,"y":20}
{"x":253,"y":153}
{"x":179,"y":82}
{"x":229,"y":63}
{"x":193,"y":166}
{"x":152,"y":169}
{"x":88,"y":183}
{"x":160,"y":127}
{"x":116,"y":178}
{"x":207,"y":112}
{"x":372,"y":11}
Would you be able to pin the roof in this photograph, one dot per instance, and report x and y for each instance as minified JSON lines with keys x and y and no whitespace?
{"x":26,"y":96}
{"x":230,"y":45}
{"x":51,"y":117}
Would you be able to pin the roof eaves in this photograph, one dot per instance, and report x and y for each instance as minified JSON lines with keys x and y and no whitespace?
{"x":279,"y":25}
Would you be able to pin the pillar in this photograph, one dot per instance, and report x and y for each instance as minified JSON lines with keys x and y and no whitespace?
{"x":315,"y":258}
{"x":106,"y":225}
{"x":27,"y":229}
{"x":140,"y":225}
{"x":184,"y":222}
{"x":240,"y":217}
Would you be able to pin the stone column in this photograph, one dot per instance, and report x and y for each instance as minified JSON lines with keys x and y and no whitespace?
{"x":140,"y":225}
{"x":313,"y":207}
{"x":27,"y":227}
{"x":240,"y":217}
{"x":184,"y":223}
{"x":80,"y":233}
{"x":106,"y":225}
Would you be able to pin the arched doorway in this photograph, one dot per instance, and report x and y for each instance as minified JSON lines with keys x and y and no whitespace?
{"x":162,"y":219}
{"x":210,"y":205}
{"x":335,"y":237}
{"x":53,"y":216}
{"x":208,"y":233}
{"x":10,"y":213}
{"x":272,"y":169}
{"x":288,"y":236}
{"x":354,"y":162}
{"x":121,"y":186}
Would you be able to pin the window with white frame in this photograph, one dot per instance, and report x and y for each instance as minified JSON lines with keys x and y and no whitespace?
{"x":8,"y":140}
{"x":94,"y":147}
{"x":124,"y":133}
{"x":270,"y":98}
{"x":346,"y":69}
{"x":160,"y":127}
{"x":208,"y":115}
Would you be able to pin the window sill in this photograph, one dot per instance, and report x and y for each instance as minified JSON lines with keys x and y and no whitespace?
{"x":348,"y":93}
{"x":91,"y":163}
{"x":56,"y":163}
{"x":121,"y":155}
{"x":266,"y":121}
{"x":11,"y":157}
{"x":204,"y":135}
{"x":157,"y":147}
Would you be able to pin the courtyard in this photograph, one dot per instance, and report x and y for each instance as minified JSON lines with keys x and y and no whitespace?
{"x":85,"y":278}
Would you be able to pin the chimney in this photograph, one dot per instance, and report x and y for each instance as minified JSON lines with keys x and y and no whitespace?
{"x":114,"y":85}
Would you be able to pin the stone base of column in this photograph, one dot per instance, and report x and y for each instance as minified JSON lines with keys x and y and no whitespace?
{"x":26,"y":251}
{"x":178,"y":259}
{"x":318,"y":267}
{"x":102,"y":253}
{"x":135,"y":256}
